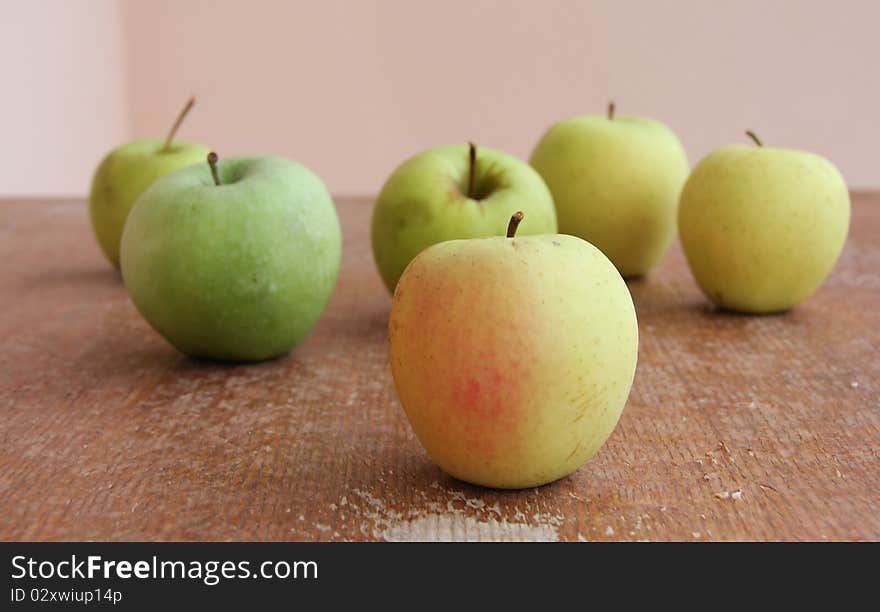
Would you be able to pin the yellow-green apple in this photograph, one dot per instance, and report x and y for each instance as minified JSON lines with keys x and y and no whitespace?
{"x":234,"y":262}
{"x":762,"y":227}
{"x":453,"y":192}
{"x":126,"y":172}
{"x":512,"y":356}
{"x":616,"y":182}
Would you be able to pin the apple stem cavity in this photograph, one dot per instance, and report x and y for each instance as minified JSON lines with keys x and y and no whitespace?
{"x":177,"y":122}
{"x":212,"y":161}
{"x":754,"y":137}
{"x":611,"y":110}
{"x":514,"y":223}
{"x":473,"y":169}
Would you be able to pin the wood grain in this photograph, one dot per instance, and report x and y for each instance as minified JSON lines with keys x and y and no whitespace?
{"x":737,"y":427}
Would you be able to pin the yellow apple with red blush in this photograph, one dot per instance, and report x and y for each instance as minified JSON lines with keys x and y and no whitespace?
{"x":513,"y":356}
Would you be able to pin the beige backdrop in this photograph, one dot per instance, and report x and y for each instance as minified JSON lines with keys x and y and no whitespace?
{"x":351,"y":88}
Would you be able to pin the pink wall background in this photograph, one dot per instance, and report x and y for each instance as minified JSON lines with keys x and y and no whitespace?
{"x":351,"y":88}
{"x":62,"y":99}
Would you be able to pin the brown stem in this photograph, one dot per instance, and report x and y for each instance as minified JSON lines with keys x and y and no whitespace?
{"x":177,"y":122}
{"x":212,"y":161}
{"x":611,"y":110}
{"x":473,"y":169}
{"x":752,"y":135}
{"x":514,"y":223}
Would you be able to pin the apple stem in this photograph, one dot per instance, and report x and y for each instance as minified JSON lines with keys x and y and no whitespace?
{"x":177,"y":122}
{"x":611,"y":110}
{"x":514,"y":223}
{"x":752,"y":135}
{"x":212,"y":161}
{"x":473,"y":167}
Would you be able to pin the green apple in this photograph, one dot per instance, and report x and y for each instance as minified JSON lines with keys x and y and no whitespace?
{"x":512,"y":357}
{"x":453,"y":192}
{"x":126,"y":172}
{"x":238,"y":268}
{"x":616,"y":182}
{"x":762,"y":227}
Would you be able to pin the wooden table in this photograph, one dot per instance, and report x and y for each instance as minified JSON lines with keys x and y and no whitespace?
{"x":737,"y":427}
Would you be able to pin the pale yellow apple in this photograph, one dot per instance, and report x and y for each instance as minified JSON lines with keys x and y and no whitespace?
{"x":123,"y":175}
{"x":762,"y":227}
{"x":513,"y":357}
{"x":616,"y":182}
{"x":126,"y":172}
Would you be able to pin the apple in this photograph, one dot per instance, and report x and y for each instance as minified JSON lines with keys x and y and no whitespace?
{"x":126,"y":172}
{"x":513,"y":356}
{"x":236,"y":262}
{"x":762,"y":227}
{"x":453,"y":192}
{"x":616,"y":182}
